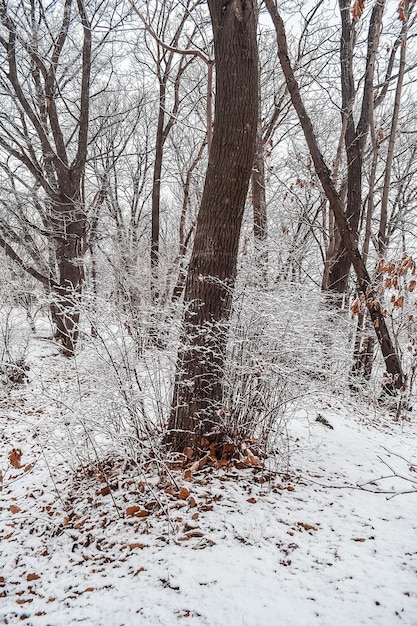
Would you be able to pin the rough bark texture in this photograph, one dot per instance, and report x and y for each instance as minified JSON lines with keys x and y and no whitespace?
{"x":392,"y":362}
{"x":69,"y":224}
{"x":212,"y":269}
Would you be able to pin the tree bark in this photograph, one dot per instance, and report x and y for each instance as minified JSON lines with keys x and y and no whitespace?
{"x":260,"y":218}
{"x":392,"y":362}
{"x":212,"y":270}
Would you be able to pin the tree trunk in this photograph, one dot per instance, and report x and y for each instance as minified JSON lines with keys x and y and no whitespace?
{"x":355,"y":135}
{"x":70,"y":228}
{"x":260,"y":220}
{"x":212,"y":270}
{"x":156,"y":186}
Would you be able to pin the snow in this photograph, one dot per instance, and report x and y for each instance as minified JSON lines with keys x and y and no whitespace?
{"x":331,"y":539}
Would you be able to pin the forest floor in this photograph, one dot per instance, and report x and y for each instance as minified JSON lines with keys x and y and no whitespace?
{"x":332,"y":539}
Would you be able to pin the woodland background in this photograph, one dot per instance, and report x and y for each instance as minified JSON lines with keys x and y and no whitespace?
{"x":113,"y":116}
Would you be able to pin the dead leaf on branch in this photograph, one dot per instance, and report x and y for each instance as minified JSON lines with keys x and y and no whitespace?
{"x":357,"y":9}
{"x":402,"y":12}
{"x":356,"y":306}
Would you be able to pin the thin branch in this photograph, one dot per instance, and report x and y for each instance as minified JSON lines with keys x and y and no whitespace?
{"x":27,"y":268}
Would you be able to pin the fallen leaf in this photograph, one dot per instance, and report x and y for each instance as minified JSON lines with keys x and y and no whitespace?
{"x":132,"y":510}
{"x":251,"y":500}
{"x":133,"y":546}
{"x":14,"y":509}
{"x":24,"y":601}
{"x":191,"y":534}
{"x":183,"y":493}
{"x":199,"y":464}
{"x":14,"y":457}
{"x":307,"y":526}
{"x":360,"y":539}
{"x":138,"y":571}
{"x":81,"y":523}
{"x":33,"y":576}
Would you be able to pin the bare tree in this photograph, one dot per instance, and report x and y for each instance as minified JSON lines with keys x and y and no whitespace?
{"x":170,"y":63}
{"x":348,"y":237}
{"x":44,"y":131}
{"x":212,"y":270}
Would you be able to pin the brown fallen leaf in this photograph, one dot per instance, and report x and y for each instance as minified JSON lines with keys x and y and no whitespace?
{"x":24,"y":601}
{"x":307,"y":526}
{"x":138,"y":571}
{"x":251,"y":500}
{"x":133,"y":546}
{"x":132,"y":510}
{"x":14,"y":457}
{"x":14,"y":509}
{"x":190,"y":535}
{"x":360,"y":539}
{"x":33,"y":576}
{"x":183,"y":493}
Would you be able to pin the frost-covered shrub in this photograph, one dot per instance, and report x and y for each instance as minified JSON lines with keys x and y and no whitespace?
{"x":284,"y":344}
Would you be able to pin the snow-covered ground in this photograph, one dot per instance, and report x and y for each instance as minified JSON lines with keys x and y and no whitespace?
{"x":330,"y":540}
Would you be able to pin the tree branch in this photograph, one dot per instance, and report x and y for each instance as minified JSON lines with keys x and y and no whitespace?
{"x":27,"y":268}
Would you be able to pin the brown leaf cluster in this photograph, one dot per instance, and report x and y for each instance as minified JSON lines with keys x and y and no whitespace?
{"x":403,"y":10}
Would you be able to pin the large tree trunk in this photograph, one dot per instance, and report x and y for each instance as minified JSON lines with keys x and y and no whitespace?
{"x":69,"y":224}
{"x":392,"y":362}
{"x":212,"y":271}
